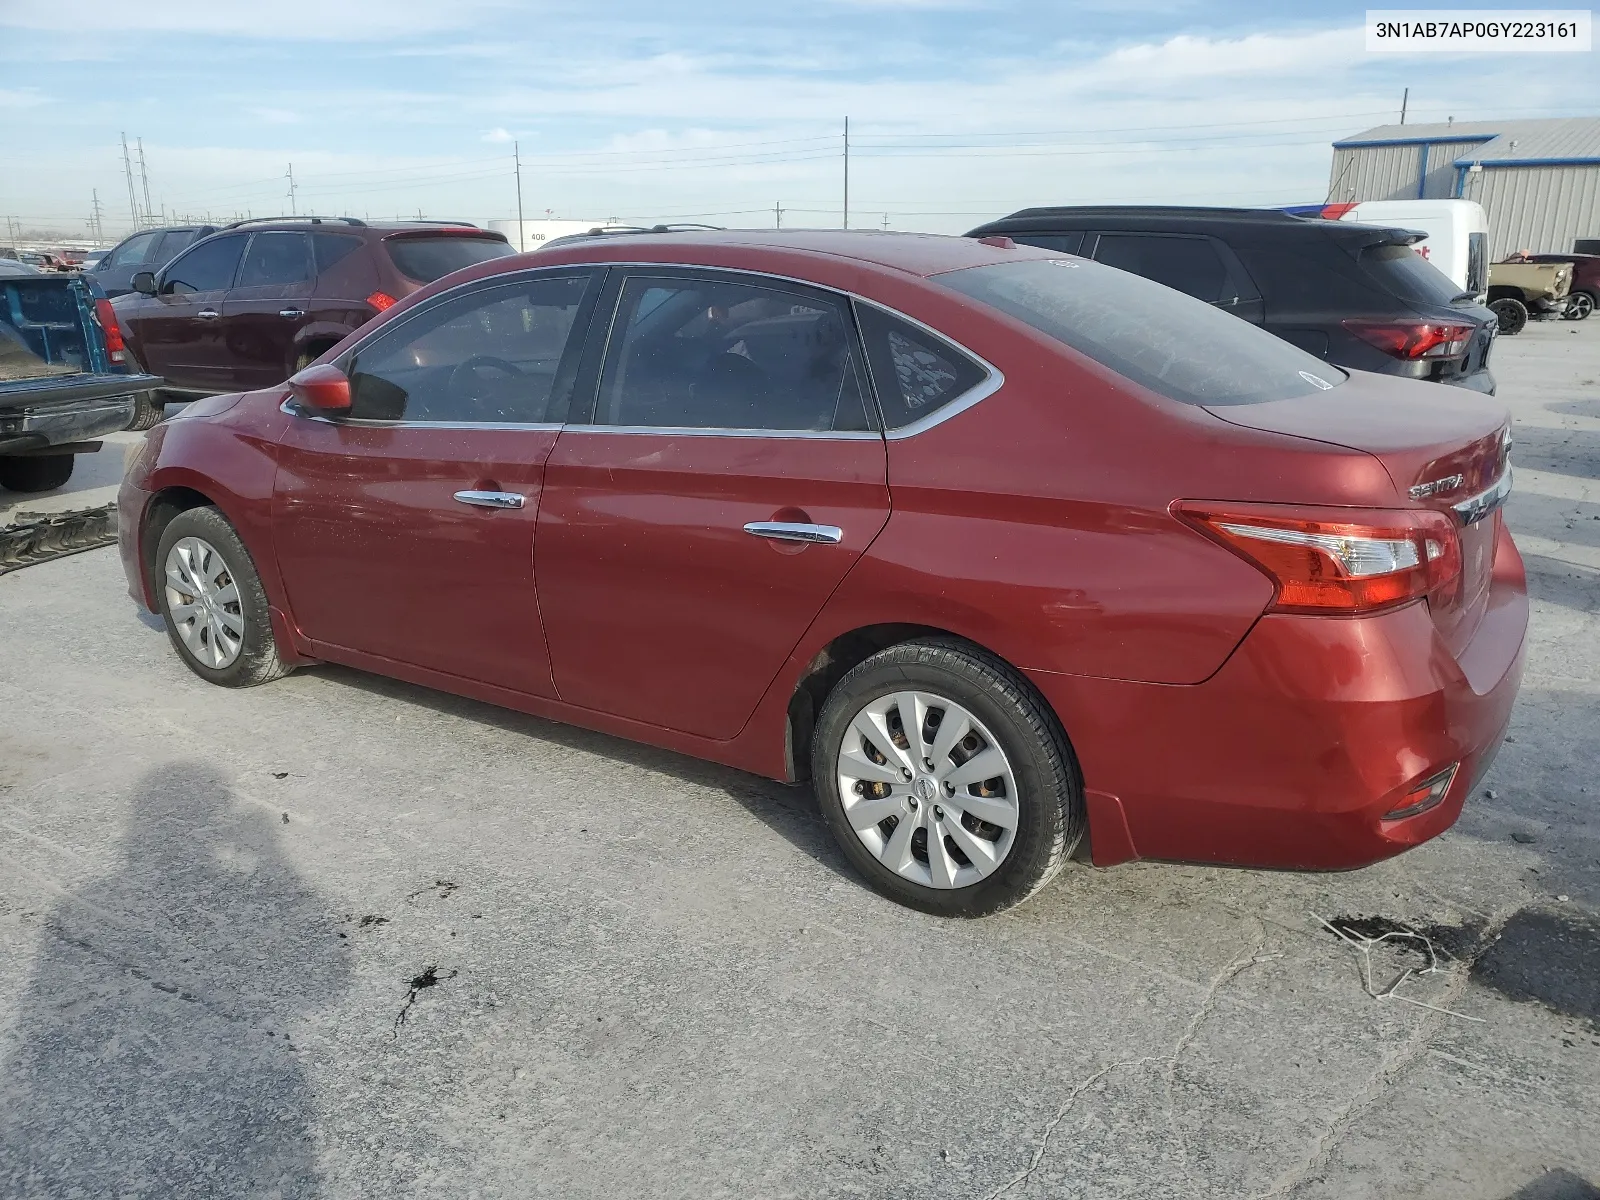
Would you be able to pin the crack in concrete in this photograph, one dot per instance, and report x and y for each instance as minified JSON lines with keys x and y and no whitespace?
{"x":1208,"y":1003}
{"x":1390,"y":1068}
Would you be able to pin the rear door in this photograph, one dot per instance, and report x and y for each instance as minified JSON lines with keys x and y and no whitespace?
{"x":729,"y":478}
{"x":266,"y":309}
{"x":179,"y":330}
{"x":405,"y":531}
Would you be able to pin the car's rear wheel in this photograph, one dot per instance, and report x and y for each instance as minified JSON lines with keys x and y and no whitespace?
{"x":1579,"y":306}
{"x":36,"y":472}
{"x":945,"y":780}
{"x":148,"y":409}
{"x":1512,"y":313}
{"x":212,"y":601}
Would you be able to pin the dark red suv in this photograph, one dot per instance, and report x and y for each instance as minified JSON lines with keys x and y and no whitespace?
{"x":249,"y":305}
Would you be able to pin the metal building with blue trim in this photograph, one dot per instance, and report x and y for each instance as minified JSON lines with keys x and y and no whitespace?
{"x":1539,"y":181}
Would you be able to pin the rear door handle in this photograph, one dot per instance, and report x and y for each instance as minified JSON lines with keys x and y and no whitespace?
{"x":208,"y":314}
{"x":291,"y":313}
{"x":794,"y":531}
{"x":492,"y":499}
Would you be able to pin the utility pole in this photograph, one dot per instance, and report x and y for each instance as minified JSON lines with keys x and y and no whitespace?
{"x":293,"y":212}
{"x":516,"y":152}
{"x":145,"y":176}
{"x":1405,"y":97}
{"x":95,"y":224}
{"x":127,"y":171}
{"x":847,"y":172}
{"x":777,"y":215}
{"x":886,"y":222}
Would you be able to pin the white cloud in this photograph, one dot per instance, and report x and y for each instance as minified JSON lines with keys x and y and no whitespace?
{"x":276,"y":116}
{"x":498,"y":134}
{"x":22,"y":97}
{"x":305,"y":20}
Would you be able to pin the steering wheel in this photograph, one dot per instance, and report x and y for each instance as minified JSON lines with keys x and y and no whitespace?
{"x":461,"y":386}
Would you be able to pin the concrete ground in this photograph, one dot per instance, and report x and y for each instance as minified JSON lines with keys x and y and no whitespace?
{"x":95,"y":479}
{"x":342,"y":937}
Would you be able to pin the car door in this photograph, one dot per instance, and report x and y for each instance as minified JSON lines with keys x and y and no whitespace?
{"x":729,"y":476}
{"x":266,"y":309}
{"x":1201,"y":266}
{"x":179,"y":330}
{"x":405,"y":531}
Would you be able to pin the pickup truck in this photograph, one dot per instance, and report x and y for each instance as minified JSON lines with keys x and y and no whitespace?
{"x":63,"y":378}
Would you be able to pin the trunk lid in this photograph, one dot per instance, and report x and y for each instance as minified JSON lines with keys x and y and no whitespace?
{"x":1443,"y":448}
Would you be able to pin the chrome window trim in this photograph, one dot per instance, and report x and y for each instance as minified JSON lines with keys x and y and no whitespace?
{"x":294,"y":410}
{"x":840,"y":435}
{"x":977,"y":393}
{"x":994,"y":379}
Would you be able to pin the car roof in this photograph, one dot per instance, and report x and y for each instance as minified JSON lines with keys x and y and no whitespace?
{"x":922,"y":254}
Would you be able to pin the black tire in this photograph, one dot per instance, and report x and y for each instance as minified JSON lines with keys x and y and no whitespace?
{"x":148,"y":410}
{"x":36,"y":472}
{"x":257,"y":661}
{"x":1513,"y":315}
{"x":1581,"y":306}
{"x":1050,"y":801}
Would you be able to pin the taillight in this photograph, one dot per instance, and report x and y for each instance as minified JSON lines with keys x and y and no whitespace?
{"x":107,"y":316}
{"x":380,"y":300}
{"x":1413,"y":339}
{"x":1333,"y":560}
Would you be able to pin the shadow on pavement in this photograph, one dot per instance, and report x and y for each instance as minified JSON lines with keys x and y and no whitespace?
{"x":153,"y":1052}
{"x":1557,"y":1185}
{"x":790,"y":811}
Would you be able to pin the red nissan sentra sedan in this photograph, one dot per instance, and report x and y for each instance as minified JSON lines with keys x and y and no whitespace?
{"x":1003,"y":549}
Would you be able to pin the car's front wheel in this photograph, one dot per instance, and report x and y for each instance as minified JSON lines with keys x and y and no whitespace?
{"x":945,"y":779}
{"x":212,"y":601}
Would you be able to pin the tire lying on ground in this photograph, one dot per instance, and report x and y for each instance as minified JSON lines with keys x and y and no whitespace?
{"x":36,"y":472}
{"x":1513,"y":314}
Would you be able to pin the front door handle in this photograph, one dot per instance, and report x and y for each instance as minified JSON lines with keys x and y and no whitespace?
{"x":795,"y":531}
{"x":492,"y":499}
{"x":208,"y":314}
{"x":291,"y":313}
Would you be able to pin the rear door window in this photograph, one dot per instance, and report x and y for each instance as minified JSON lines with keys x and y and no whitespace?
{"x":209,"y":267}
{"x":173,"y":243}
{"x":1477,"y":262}
{"x":425,"y":259}
{"x":915,"y":373}
{"x":275,"y":260}
{"x":1157,"y":337}
{"x":1189,"y":264}
{"x":712,"y":353}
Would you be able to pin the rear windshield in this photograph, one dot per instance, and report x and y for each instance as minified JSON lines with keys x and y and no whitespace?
{"x":1405,"y":273}
{"x":1166,"y":341}
{"x":427,"y":258}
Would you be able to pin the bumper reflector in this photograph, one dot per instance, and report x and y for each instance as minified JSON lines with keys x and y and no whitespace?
{"x":1424,"y":795}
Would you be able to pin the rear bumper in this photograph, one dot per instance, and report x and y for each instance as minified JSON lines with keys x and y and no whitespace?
{"x":1478,"y":381}
{"x":38,"y":413}
{"x":1292,"y":753}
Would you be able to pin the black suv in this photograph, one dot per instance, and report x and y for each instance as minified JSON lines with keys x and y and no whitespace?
{"x":147,"y":250}
{"x":1355,"y":295}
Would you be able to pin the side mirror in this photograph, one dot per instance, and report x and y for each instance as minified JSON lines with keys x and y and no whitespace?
{"x":324,"y":390}
{"x":144,"y":282}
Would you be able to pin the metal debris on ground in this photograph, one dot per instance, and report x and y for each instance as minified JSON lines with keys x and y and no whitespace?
{"x":1364,"y":946}
{"x":37,"y":537}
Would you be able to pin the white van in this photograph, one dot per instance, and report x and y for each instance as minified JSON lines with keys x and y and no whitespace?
{"x":1458,"y":234}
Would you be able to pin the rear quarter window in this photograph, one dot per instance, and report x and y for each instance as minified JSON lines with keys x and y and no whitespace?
{"x":425,"y":259}
{"x":1403,"y":272}
{"x":1170,"y":343}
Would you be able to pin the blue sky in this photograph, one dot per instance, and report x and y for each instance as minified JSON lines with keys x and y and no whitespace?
{"x":959,"y":109}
